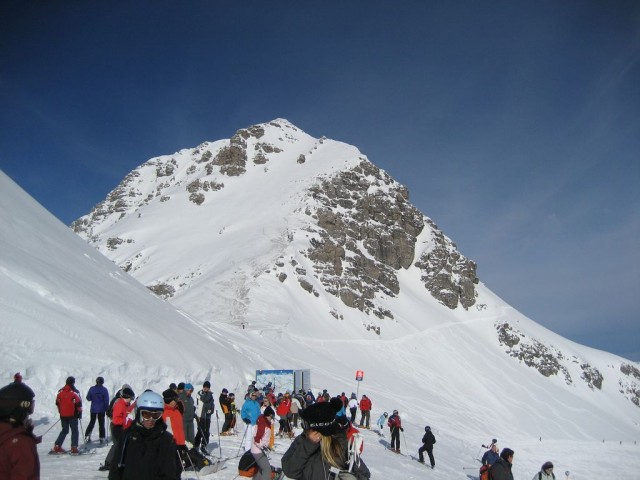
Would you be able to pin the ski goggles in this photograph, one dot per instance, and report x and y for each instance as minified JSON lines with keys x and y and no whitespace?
{"x":150,"y":415}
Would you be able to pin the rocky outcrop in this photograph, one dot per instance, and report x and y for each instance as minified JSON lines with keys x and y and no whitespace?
{"x":367,"y":231}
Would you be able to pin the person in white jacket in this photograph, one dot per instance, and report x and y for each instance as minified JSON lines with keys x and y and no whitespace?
{"x":545,"y":473}
{"x":353,"y":407}
{"x":260,"y":443}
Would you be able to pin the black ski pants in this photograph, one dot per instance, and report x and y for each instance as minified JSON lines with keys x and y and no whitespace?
{"x":429,"y":450}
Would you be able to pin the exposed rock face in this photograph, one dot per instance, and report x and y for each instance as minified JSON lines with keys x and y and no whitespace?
{"x":631,"y":387}
{"x":448,"y":275}
{"x":367,"y":232}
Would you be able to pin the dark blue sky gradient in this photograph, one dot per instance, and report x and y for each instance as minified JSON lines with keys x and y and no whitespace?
{"x":515,"y":125}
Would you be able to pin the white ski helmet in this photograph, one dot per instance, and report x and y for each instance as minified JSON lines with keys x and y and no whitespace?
{"x":150,"y":400}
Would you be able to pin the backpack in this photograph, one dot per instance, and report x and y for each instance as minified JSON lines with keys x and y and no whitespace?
{"x":109,"y":411}
{"x":484,"y":472}
{"x":247,"y":465}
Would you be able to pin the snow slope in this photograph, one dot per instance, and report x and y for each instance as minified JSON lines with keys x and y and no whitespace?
{"x":66,"y":310}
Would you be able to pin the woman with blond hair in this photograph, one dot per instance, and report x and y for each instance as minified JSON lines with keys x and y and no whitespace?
{"x":322,"y":448}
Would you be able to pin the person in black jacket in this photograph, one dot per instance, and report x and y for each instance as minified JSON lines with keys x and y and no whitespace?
{"x":501,"y":470}
{"x":427,"y":445}
{"x":148,"y":451}
{"x":322,"y":446}
{"x":206,"y":404}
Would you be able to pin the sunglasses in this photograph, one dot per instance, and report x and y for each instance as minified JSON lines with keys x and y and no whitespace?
{"x":149,"y":415}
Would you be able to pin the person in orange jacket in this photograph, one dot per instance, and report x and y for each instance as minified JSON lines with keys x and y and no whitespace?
{"x":172,"y":415}
{"x":69,"y":406}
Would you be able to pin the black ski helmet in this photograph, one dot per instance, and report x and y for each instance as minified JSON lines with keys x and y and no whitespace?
{"x":427,"y":428}
{"x":99,"y":380}
{"x":16,"y":401}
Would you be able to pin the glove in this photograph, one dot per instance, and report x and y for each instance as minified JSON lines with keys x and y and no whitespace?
{"x":79,"y":414}
{"x":401,"y":429}
{"x":246,"y":420}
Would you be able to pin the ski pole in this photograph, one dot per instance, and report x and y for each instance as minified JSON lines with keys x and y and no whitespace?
{"x":48,"y":429}
{"x":404,"y":439}
{"x":243,"y":437}
{"x":218,"y":427}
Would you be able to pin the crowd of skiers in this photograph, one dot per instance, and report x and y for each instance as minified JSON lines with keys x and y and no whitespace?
{"x":329,"y":440}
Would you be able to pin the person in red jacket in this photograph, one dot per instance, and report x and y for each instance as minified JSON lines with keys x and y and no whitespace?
{"x":69,"y":406}
{"x":120,"y":422}
{"x":18,"y":453}
{"x":283,"y":409}
{"x":395,"y":425}
{"x":365,"y":411}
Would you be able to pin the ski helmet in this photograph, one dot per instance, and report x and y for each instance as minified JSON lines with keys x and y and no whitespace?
{"x":70,"y":381}
{"x":16,"y":401}
{"x":427,"y":428}
{"x":150,"y":400}
{"x":99,"y":380}
{"x":395,"y":412}
{"x":385,"y":414}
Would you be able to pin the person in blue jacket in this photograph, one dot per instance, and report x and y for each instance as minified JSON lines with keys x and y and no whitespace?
{"x":490,"y":456}
{"x":98,"y":395}
{"x":249,"y":413}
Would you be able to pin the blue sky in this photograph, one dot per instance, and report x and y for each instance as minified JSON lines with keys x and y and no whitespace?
{"x":515,"y":125}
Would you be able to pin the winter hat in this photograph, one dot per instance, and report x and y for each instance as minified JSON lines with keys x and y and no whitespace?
{"x":385,"y":414}
{"x":206,"y":384}
{"x":127,"y":393}
{"x":224,"y":390}
{"x":268,"y":412}
{"x":188,"y":386}
{"x":232,"y":395}
{"x":169,"y":395}
{"x":547,"y":465}
{"x":506,"y":453}
{"x":70,"y":381}
{"x":99,"y":380}
{"x":321,"y":417}
{"x":17,"y":377}
{"x":173,"y":386}
{"x":395,"y":412}
{"x":180,"y":386}
{"x":16,"y":401}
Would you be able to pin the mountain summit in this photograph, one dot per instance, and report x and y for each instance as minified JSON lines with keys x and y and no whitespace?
{"x":292,"y":208}
{"x":273,"y":230}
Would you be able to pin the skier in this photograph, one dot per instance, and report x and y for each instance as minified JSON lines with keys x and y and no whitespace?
{"x":225,"y":405}
{"x":321,"y":446}
{"x":18,"y":452}
{"x":189,"y":413}
{"x":148,"y":451}
{"x":381,"y":420}
{"x":353,"y":407}
{"x":69,"y":406}
{"x":365,"y":411}
{"x":283,"y":409}
{"x":261,"y":435}
{"x":249,"y":413}
{"x":206,"y":404}
{"x":172,"y":415}
{"x":427,"y":445}
{"x":120,"y":422}
{"x":545,"y":473}
{"x":501,"y":470}
{"x":490,"y":456}
{"x":395,"y":425}
{"x":99,"y":398}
